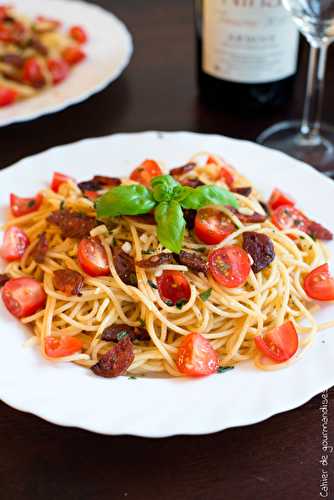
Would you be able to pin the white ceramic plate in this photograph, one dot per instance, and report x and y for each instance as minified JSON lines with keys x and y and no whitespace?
{"x":70,"y":395}
{"x":108,"y":52}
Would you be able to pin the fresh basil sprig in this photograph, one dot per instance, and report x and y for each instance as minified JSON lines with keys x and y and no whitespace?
{"x":167,"y":198}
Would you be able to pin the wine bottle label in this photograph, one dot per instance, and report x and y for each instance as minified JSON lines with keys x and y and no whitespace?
{"x":248,"y":41}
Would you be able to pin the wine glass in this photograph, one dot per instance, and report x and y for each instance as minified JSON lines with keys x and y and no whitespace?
{"x":308,"y":139}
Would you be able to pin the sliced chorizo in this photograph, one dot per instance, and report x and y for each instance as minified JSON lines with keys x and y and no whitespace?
{"x":68,"y":281}
{"x":72,"y":224}
{"x":189,"y":215}
{"x":193,"y":261}
{"x":104,"y":180}
{"x":261,"y":249}
{"x":156,"y":260}
{"x":3,"y":279}
{"x":114,"y":333}
{"x":116,"y":361}
{"x":244,"y":191}
{"x":248,"y":218}
{"x":41,"y":249}
{"x":125,"y":266}
{"x":184,"y":169}
{"x":318,"y":231}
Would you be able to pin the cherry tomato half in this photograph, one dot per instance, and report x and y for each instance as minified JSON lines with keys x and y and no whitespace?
{"x":73,"y":55}
{"x":15,"y":242}
{"x":79,"y":34}
{"x":57,"y":347}
{"x":7,"y":96}
{"x":319,"y":284}
{"x":196,"y":357}
{"x":173,"y":287}
{"x":59,"y":70}
{"x":145,"y":172}
{"x":230,"y":266}
{"x":57,"y":180}
{"x":23,"y":296}
{"x":92,"y":257}
{"x":22,"y":206}
{"x":278,"y":198}
{"x":288,"y":217}
{"x":212,"y":226}
{"x":32,"y":73}
{"x":279,"y":344}
{"x":227,"y":173}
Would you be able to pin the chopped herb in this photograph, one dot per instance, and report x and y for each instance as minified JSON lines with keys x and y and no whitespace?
{"x":201,"y":249}
{"x":206,"y":294}
{"x":133,"y":279}
{"x":180,"y":303}
{"x":223,"y":369}
{"x":148,"y":252}
{"x":152,"y":284}
{"x":31,"y":203}
{"x":121,"y":335}
{"x":112,"y":242}
{"x":142,"y":322}
{"x":132,"y":377}
{"x":169,"y":303}
{"x":62,"y":205}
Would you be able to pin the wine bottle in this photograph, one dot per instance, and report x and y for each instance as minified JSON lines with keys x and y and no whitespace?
{"x":247,"y":53}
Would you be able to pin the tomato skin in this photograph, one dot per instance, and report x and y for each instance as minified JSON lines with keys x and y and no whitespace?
{"x":57,"y":180}
{"x":196,"y":357}
{"x":73,"y":55}
{"x":288,"y":217}
{"x":319,"y":284}
{"x":227,"y":173}
{"x":145,"y":172}
{"x":92,"y":257}
{"x":23,"y":296}
{"x":58,"y":347}
{"x":22,"y":206}
{"x":79,"y":34}
{"x":15,"y":242}
{"x":230,"y":266}
{"x":91,"y":195}
{"x":32,"y":73}
{"x":173,"y":286}
{"x":278,"y":344}
{"x":211,"y":226}
{"x":59,"y":70}
{"x":7,"y":96}
{"x":278,"y":198}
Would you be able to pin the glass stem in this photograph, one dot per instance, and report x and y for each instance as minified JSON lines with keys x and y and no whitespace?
{"x":314,"y":93}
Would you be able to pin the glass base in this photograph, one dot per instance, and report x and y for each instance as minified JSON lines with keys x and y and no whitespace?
{"x":316,"y":150}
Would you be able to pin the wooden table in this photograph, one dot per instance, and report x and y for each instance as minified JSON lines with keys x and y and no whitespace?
{"x":274,"y":460}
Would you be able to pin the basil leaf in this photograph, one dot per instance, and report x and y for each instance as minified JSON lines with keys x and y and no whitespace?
{"x":209,"y":195}
{"x":181,"y":192}
{"x":222,"y":369}
{"x":163,"y":187}
{"x":170,"y":225}
{"x":125,"y":200}
{"x":205,"y":295}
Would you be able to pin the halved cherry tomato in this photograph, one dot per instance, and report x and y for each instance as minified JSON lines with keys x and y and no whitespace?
{"x":278,"y":198}
{"x":44,"y":24}
{"x":7,"y":96}
{"x":59,"y":70}
{"x":22,"y":206}
{"x":15,"y":242}
{"x":57,"y":180}
{"x":196,"y":357}
{"x":230,"y":266}
{"x":4,"y":11}
{"x":73,"y":55}
{"x":227,"y":173}
{"x":279,"y":344}
{"x":92,"y":257}
{"x":23,"y":296}
{"x":79,"y":34}
{"x":319,"y":284}
{"x":32,"y":73}
{"x":145,"y":172}
{"x":173,"y":287}
{"x":288,"y":217}
{"x":57,"y":347}
{"x":212,"y":226}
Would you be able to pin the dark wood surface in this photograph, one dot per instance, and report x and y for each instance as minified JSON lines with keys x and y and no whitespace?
{"x":278,"y":459}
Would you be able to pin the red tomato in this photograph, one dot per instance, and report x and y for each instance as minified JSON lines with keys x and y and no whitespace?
{"x":196,"y":357}
{"x":59,"y":70}
{"x":15,"y":242}
{"x":278,"y":198}
{"x":73,"y":55}
{"x":227,"y":173}
{"x":212,"y":226}
{"x":57,"y":347}
{"x":7,"y":96}
{"x":50,"y":24}
{"x":92,"y":257}
{"x":22,"y":206}
{"x":4,"y":11}
{"x":173,"y":287}
{"x":319,"y":284}
{"x":230,"y":266}
{"x":32,"y":73}
{"x":57,"y":180}
{"x":279,"y":344}
{"x":23,"y":296}
{"x":79,"y":34}
{"x":145,"y":172}
{"x":91,"y":195}
{"x":288,"y":217}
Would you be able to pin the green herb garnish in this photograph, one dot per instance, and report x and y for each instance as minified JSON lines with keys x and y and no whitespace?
{"x":132,"y":377}
{"x":121,"y":335}
{"x":223,"y":369}
{"x":180,"y":303}
{"x":206,"y":294}
{"x":169,"y":303}
{"x":167,"y":197}
{"x":152,"y":284}
{"x":142,"y":322}
{"x":62,"y":205}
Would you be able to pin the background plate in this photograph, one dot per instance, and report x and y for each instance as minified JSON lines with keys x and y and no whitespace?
{"x":108,"y":52}
{"x":70,"y":395}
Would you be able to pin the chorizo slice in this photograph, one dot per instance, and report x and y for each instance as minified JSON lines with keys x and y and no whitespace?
{"x":318,"y":231}
{"x":41,"y":249}
{"x":261,"y":249}
{"x":192,"y":260}
{"x":116,"y":361}
{"x":156,"y":260}
{"x":244,"y":191}
{"x":189,"y":215}
{"x":184,"y":169}
{"x":72,"y":224}
{"x":194,"y":183}
{"x":68,"y":281}
{"x":248,"y":218}
{"x":125,"y":266}
{"x":89,"y":186}
{"x":3,"y":279}
{"x":105,"y":181}
{"x":115,"y":333}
